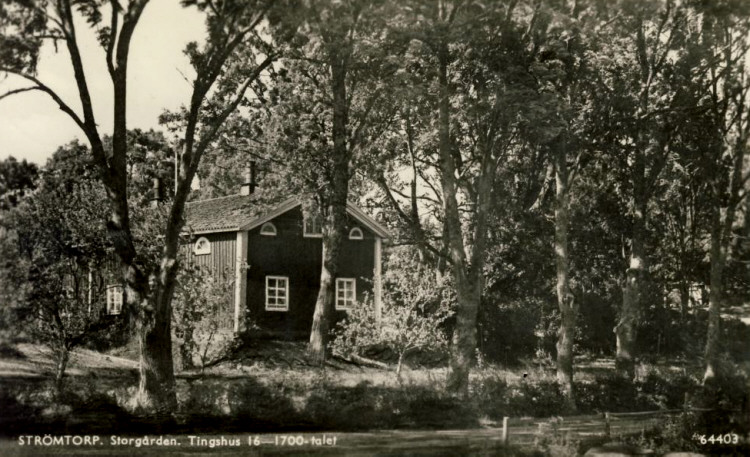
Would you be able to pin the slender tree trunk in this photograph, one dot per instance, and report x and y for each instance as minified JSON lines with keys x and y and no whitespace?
{"x":186,"y":348}
{"x":317,"y":346}
{"x":467,"y":275}
{"x":684,"y":290}
{"x":400,"y":365}
{"x":715,"y":296}
{"x":721,"y":235}
{"x":565,"y":302}
{"x":627,"y":325}
{"x":62,"y":364}
{"x":464,"y":339}
{"x":333,"y":231}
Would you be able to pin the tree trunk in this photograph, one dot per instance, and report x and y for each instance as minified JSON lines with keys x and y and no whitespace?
{"x":467,"y":278}
{"x":464,"y":342}
{"x":156,"y":390}
{"x":627,"y":325}
{"x":323,"y":309}
{"x":186,"y":348}
{"x":714,"y":297}
{"x":565,"y":302}
{"x":684,"y":290}
{"x":721,"y":235}
{"x":333,"y":230}
{"x":464,"y":333}
{"x":62,"y":364}
{"x":400,"y":365}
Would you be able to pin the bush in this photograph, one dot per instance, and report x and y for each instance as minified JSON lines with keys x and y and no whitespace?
{"x":218,"y":404}
{"x":728,"y":391}
{"x":416,"y":306}
{"x":617,"y":394}
{"x":683,"y":432}
{"x":205,"y":398}
{"x":251,"y":402}
{"x":348,"y":408}
{"x":200,"y":316}
{"x":538,"y":399}
{"x":366,"y":407}
{"x":659,"y":391}
{"x":93,"y":412}
{"x":16,"y":416}
{"x":507,"y":331}
{"x":426,"y":407}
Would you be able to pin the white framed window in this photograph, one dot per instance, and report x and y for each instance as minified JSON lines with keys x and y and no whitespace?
{"x":115,"y":298}
{"x":202,"y":246}
{"x":356,"y":234}
{"x":268,"y":229}
{"x":346,"y":293}
{"x":313,"y":227}
{"x":277,"y":293}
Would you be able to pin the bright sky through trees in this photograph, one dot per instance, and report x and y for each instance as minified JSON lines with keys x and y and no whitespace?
{"x":31,"y":126}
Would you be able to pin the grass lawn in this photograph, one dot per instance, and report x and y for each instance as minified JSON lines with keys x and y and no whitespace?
{"x":269,"y":387}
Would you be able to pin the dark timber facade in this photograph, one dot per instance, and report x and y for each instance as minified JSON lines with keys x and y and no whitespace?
{"x":275,"y":258}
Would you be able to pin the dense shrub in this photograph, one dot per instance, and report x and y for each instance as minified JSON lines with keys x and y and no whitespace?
{"x":220,"y":404}
{"x":683,"y":432}
{"x":204,"y":398}
{"x":93,"y":412}
{"x":348,"y":408}
{"x":617,"y":394}
{"x":660,"y":391}
{"x":537,"y":399}
{"x":15,"y":416}
{"x":426,"y":407}
{"x":251,"y":402}
{"x":201,"y":317}
{"x":506,"y":331}
{"x":596,"y":319}
{"x":367,"y":407}
{"x":414,"y":314}
{"x":729,"y":391}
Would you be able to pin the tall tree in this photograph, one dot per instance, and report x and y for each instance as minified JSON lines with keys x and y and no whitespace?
{"x":726,"y":123}
{"x":226,"y":65}
{"x":330,"y":107}
{"x":637,"y":54}
{"x":480,"y":83}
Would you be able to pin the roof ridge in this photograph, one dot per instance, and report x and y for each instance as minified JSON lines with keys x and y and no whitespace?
{"x":216,"y":198}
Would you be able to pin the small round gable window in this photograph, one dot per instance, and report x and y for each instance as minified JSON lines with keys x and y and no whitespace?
{"x":202,"y":246}
{"x":356,"y":234}
{"x":268,"y":229}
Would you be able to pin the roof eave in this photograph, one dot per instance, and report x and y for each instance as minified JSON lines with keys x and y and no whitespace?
{"x":207,"y":231}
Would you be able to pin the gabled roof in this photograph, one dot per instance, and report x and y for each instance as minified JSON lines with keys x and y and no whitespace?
{"x":222,"y":214}
{"x":241,"y":212}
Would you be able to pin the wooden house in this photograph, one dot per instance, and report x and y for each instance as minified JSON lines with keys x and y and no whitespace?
{"x":275,"y":258}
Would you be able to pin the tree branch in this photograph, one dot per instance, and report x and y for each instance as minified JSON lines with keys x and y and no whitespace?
{"x":18,"y":91}
{"x":112,"y":37}
{"x":44,"y":88}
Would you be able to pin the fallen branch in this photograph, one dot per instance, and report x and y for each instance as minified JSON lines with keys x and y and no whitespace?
{"x":362,"y":361}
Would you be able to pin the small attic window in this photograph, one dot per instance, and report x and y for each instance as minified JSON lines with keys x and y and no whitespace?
{"x":313,"y":227}
{"x":202,"y":246}
{"x":356,"y":234}
{"x":268,"y":229}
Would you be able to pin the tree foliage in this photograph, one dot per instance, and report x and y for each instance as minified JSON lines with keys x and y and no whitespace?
{"x":413,"y":318}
